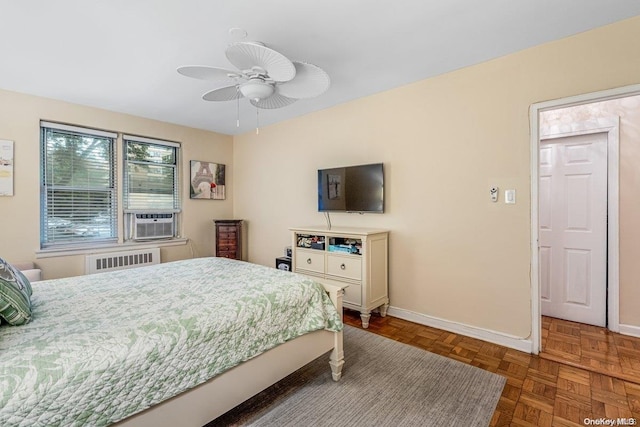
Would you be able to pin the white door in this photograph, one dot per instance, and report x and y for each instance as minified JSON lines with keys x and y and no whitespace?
{"x":573,"y":228}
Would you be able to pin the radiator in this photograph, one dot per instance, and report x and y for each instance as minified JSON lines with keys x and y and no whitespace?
{"x":110,"y":261}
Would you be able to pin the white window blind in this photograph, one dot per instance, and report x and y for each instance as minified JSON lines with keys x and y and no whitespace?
{"x":78,"y":192}
{"x":150,"y":174}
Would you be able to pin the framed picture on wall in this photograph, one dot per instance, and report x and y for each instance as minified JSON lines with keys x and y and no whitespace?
{"x":207,"y":180}
{"x":6,"y":168}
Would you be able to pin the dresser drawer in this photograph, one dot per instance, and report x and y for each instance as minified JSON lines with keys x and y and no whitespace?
{"x":311,"y":260}
{"x":347,"y":267}
{"x":227,"y":244}
{"x":225,"y":235}
{"x":353,"y":294}
{"x":227,"y":228}
{"x":227,"y":254}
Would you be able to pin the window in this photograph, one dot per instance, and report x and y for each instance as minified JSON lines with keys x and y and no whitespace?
{"x":150,"y":176}
{"x":78,"y":192}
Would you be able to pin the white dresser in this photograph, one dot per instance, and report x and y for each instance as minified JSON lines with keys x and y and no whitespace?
{"x":341,"y":256}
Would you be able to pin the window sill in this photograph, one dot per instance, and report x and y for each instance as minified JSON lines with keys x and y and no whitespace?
{"x":85,"y":250}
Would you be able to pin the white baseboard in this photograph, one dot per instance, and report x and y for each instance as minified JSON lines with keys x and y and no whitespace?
{"x":633,"y":331}
{"x":511,"y":341}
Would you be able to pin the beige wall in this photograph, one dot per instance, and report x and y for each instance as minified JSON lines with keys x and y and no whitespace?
{"x":444,"y":141}
{"x":20,"y":117}
{"x":628,"y":111}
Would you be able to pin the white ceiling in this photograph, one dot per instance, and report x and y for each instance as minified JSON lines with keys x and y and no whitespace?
{"x":122,"y":55}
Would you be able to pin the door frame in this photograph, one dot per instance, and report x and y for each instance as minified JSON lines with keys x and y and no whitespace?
{"x":613,"y":296}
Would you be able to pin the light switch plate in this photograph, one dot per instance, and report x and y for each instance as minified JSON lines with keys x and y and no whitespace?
{"x":510,"y":197}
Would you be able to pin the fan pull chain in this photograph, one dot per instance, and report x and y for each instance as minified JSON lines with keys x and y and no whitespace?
{"x":257,"y":121}
{"x":237,"y":106}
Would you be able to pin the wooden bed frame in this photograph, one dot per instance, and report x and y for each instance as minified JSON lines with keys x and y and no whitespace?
{"x":206,"y":402}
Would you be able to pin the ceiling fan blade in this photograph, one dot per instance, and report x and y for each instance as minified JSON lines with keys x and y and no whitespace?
{"x":204,"y":72}
{"x":274,"y":101}
{"x":228,"y":93}
{"x":246,"y":55}
{"x":310,"y":81}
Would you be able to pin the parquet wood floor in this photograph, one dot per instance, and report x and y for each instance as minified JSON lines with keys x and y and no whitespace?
{"x":591,"y":348}
{"x":539,"y":391}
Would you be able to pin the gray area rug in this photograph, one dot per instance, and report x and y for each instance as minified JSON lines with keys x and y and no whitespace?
{"x":384,"y":383}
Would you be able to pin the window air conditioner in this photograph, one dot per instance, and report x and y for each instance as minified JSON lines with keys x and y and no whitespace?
{"x":153,"y":226}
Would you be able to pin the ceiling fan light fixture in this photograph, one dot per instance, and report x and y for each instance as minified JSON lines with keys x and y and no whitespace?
{"x":264,"y":76}
{"x":256,"y":89}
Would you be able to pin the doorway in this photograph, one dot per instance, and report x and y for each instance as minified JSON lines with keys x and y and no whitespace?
{"x":541,"y":130}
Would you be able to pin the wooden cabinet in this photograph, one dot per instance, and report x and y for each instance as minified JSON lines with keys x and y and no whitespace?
{"x":357,"y":257}
{"x":229,"y":238}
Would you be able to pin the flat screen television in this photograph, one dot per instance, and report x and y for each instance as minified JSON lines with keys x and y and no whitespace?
{"x":351,"y":189}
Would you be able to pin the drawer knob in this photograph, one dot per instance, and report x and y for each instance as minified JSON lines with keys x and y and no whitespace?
{"x":308,"y":260}
{"x":342,"y":266}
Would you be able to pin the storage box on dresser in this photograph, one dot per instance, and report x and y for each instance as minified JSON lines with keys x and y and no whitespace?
{"x":229,"y":238}
{"x":353,"y":256}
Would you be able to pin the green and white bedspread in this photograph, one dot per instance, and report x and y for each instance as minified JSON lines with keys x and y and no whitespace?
{"x":105,"y":346}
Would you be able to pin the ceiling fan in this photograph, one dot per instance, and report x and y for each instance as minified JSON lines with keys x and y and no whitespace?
{"x":264,"y":76}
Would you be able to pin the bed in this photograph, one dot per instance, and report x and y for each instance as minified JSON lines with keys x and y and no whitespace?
{"x":178,"y":343}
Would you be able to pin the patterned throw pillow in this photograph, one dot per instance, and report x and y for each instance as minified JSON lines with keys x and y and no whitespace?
{"x":15,"y":293}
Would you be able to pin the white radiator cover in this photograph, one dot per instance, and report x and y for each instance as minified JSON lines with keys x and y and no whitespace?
{"x":97,"y":263}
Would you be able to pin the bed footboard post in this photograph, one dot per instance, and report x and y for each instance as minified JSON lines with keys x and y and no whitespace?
{"x":336,"y":360}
